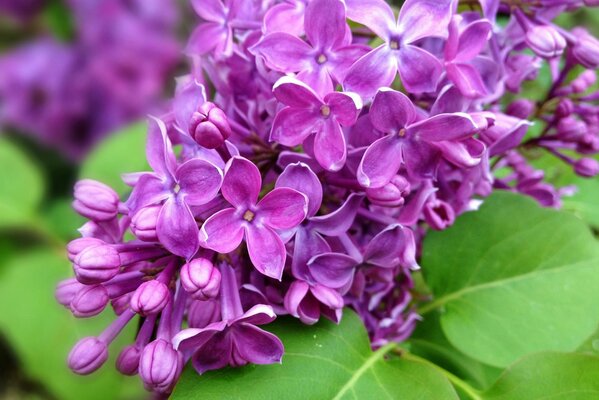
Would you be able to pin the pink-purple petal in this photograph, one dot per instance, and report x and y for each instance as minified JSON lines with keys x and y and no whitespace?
{"x":325,"y":29}
{"x":419,"y":69}
{"x":333,"y":270}
{"x":473,"y":39}
{"x":282,"y":208}
{"x":329,"y":146}
{"x":375,"y":14}
{"x":380,"y":162}
{"x":339,"y":221}
{"x":266,"y":250}
{"x":439,"y":127}
{"x":300,"y":177}
{"x":345,"y":107}
{"x":199,"y":181}
{"x":292,"y":126}
{"x":283,"y":52}
{"x":223,"y":231}
{"x":391,"y":110}
{"x":423,"y":18}
{"x":242,"y":182}
{"x":256,"y":345}
{"x":375,"y":69}
{"x":295,"y":93}
{"x":177,"y":229}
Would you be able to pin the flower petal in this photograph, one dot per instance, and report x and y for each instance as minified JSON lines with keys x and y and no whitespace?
{"x":215,"y":354}
{"x":260,"y":314}
{"x":242,"y":182}
{"x":473,"y":39}
{"x":375,"y":14}
{"x":372,"y":71}
{"x":325,"y":29}
{"x":419,"y":69}
{"x":340,"y":62}
{"x":159,"y":151}
{"x":380,"y":162}
{"x":210,"y":10}
{"x":318,"y":78}
{"x":391,"y":110}
{"x":339,"y":221}
{"x":464,"y":154}
{"x":267,"y":251}
{"x":285,"y":17}
{"x":423,"y":18}
{"x":283,"y":52}
{"x":255,"y":345}
{"x":344,"y":106}
{"x":222,"y":232}
{"x":189,"y":96}
{"x":193,"y":338}
{"x":329,"y":146}
{"x":176,"y":228}
{"x":308,"y":243}
{"x":467,"y":79}
{"x":295,"y":93}
{"x":148,"y":190}
{"x":333,"y":270}
{"x":385,"y":248}
{"x":300,"y":177}
{"x":422,"y":161}
{"x":292,"y":126}
{"x":327,"y":296}
{"x":439,"y":127}
{"x":282,"y":208}
{"x":199,"y":180}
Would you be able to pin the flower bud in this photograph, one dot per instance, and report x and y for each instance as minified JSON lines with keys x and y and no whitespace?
{"x":95,"y":200}
{"x":88,"y":355}
{"x":392,"y":194}
{"x":78,"y":245}
{"x":201,"y":279}
{"x":520,"y":108}
{"x":545,"y":41}
{"x":97,"y":264}
{"x":160,"y":366}
{"x":586,"y":49}
{"x":202,"y":313}
{"x":128,"y":361}
{"x":121,"y":304}
{"x":150,"y":298}
{"x":564,"y":108}
{"x":66,"y":291}
{"x":89,"y":301}
{"x":570,"y":128}
{"x":586,"y":167}
{"x":209,"y":126}
{"x":143,"y":223}
{"x":438,"y":214}
{"x":584,"y":81}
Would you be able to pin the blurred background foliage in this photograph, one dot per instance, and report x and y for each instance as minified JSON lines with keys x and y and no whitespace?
{"x":36,"y":222}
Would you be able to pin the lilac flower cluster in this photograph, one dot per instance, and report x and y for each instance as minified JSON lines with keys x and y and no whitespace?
{"x":298,"y":170}
{"x":97,"y":81}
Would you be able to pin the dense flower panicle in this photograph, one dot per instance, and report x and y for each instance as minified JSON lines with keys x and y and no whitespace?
{"x":299,"y":169}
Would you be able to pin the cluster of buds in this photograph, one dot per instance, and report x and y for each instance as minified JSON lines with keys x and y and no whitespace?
{"x":307,"y":179}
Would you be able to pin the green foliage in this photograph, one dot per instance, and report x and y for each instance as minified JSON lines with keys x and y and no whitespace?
{"x":41,"y":332}
{"x":325,"y":361}
{"x":512,"y":279}
{"x":120,"y":153}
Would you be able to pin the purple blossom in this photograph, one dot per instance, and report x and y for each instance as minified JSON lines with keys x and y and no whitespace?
{"x":257,"y":221}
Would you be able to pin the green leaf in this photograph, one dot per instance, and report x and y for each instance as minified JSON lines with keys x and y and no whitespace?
{"x":325,"y":361}
{"x":429,"y":342}
{"x":21,"y":186}
{"x":62,"y":220}
{"x":512,"y":279}
{"x":555,"y":376}
{"x":42,"y":332}
{"x":120,"y":153}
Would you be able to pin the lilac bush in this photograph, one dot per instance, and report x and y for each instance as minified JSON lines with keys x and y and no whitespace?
{"x":303,"y":160}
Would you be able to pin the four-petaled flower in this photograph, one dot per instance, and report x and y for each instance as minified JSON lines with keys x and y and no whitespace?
{"x":306,"y":113}
{"x":282,"y":208}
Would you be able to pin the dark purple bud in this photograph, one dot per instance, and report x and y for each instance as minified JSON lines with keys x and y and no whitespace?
{"x":521,"y":108}
{"x":66,"y":291}
{"x":438,"y":214}
{"x":392,"y":194}
{"x":78,"y":245}
{"x":95,"y":200}
{"x":128,"y":361}
{"x":586,"y":167}
{"x":209,"y":126}
{"x":160,"y":366}
{"x":586,"y":49}
{"x":143,"y":223}
{"x":89,"y":301}
{"x":88,"y":355}
{"x":97,"y":264}
{"x":564,"y":108}
{"x":545,"y":41}
{"x":201,"y":279}
{"x":150,"y":298}
{"x":570,"y":128}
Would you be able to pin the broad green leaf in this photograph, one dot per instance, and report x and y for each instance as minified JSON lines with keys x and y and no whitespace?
{"x":120,"y":153}
{"x":512,"y":279}
{"x":21,"y":185}
{"x":42,"y":332}
{"x":325,"y":361}
{"x":555,"y":376}
{"x":429,"y":342}
{"x":585,"y":202}
{"x":62,"y":220}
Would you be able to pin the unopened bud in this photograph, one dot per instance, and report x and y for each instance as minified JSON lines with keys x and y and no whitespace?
{"x":520,"y":108}
{"x":67,"y":290}
{"x":95,"y":200}
{"x":201,"y":279}
{"x":586,"y":49}
{"x":128,"y":361}
{"x":88,"y":355}
{"x":545,"y":41}
{"x":392,"y":194}
{"x":586,"y":167}
{"x":209,"y":126}
{"x":160,"y":366}
{"x":89,"y":301}
{"x":150,"y":298}
{"x":76,"y":246}
{"x":97,"y":264}
{"x":143,"y":223}
{"x":564,"y":108}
